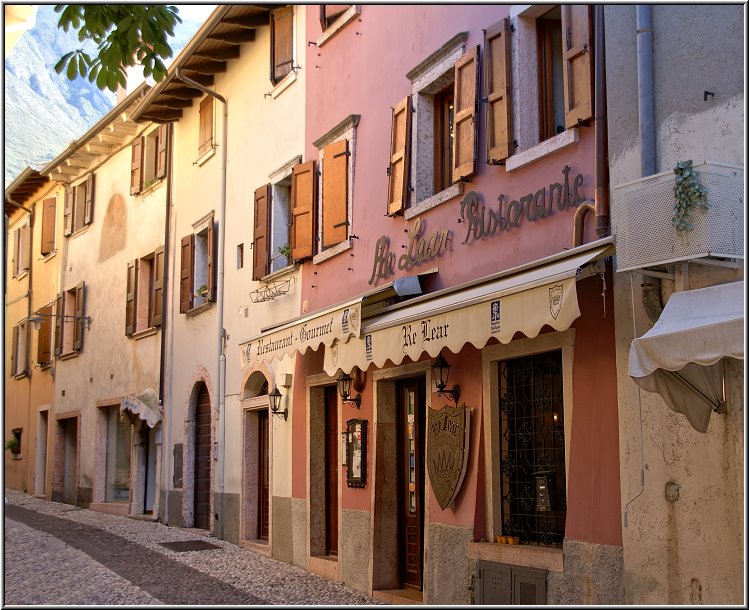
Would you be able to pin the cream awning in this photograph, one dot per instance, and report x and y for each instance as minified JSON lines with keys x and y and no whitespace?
{"x":517,"y":301}
{"x":145,"y":405}
{"x":680,"y":357}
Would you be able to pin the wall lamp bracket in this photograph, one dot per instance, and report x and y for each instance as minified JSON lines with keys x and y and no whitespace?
{"x":38,"y":318}
{"x":275,"y":403}
{"x":440,"y":373}
{"x":344,"y":383}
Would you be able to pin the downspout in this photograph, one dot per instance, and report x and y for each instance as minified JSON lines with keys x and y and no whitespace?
{"x":645,"y":101}
{"x":166,"y":443}
{"x":600,"y":205}
{"x":221,"y":343}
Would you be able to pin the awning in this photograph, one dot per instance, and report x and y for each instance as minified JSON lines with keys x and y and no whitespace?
{"x":145,"y":405}
{"x":679,"y":357}
{"x":522,"y":301}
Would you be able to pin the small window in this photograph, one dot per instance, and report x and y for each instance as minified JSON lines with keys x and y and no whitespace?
{"x":14,"y":443}
{"x":21,"y":241}
{"x":19,"y":355}
{"x":330,"y":13}
{"x":281,"y":43}
{"x":240,"y":256}
{"x":205,"y":142}
{"x":79,"y":205}
{"x":149,"y":156}
{"x":198,"y":273}
{"x":444,"y":109}
{"x":550,"y":78}
{"x":69,"y":321}
{"x":49,"y":222}
{"x":271,"y":250}
{"x":145,"y":281}
{"x":44,"y":336}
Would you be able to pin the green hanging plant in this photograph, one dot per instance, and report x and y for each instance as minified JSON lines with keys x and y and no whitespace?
{"x":285,"y":250}
{"x":689,"y":194}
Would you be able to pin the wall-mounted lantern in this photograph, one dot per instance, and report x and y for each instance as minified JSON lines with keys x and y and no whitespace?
{"x":344,"y":382}
{"x":37,"y":320}
{"x":440,"y":373}
{"x":275,"y":403}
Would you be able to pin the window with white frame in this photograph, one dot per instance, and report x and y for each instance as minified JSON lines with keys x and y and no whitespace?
{"x":19,"y":355}
{"x":197,"y":265}
{"x":21,"y":243}
{"x":148,"y":159}
{"x":79,"y":205}
{"x":144,"y":293}
{"x":69,"y":321}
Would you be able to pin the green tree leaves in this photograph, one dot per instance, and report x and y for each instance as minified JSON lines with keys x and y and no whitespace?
{"x":126,"y":34}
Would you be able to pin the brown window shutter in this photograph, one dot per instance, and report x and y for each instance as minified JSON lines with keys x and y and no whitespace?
{"x":58,"y":325}
{"x":303,"y":198}
{"x":335,"y":193}
{"x":132,"y":282}
{"x":136,"y":167}
{"x":206,"y":125}
{"x":400,"y":163}
{"x":261,"y":243}
{"x":89,"y":210}
{"x":186,"y":273}
{"x":497,"y":84}
{"x":212,"y":259}
{"x":49,"y":213}
{"x":16,"y":250}
{"x":162,"y":140}
{"x":281,"y":42}
{"x":80,"y":293}
{"x":157,"y":295}
{"x":44,"y":338}
{"x":68,"y":212}
{"x":14,"y":355}
{"x":577,"y":63}
{"x":466,"y":118}
{"x":25,"y":243}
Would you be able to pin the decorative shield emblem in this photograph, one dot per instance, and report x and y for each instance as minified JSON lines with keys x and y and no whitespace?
{"x":447,"y":456}
{"x":334,"y":353}
{"x":354,"y":321}
{"x":556,"y":293}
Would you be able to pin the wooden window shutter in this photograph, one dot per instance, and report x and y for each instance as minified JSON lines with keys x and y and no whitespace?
{"x":497,"y":84}
{"x":58,"y":325}
{"x":211,"y":248}
{"x":130,"y":296}
{"x":400,"y":163}
{"x":157,"y":295}
{"x":206,"y":125}
{"x":577,"y":63}
{"x":80,"y":293}
{"x":68,"y":211}
{"x":49,"y":213}
{"x":14,"y":355}
{"x":162,"y":144}
{"x":136,"y":167}
{"x":335,"y":193}
{"x":44,"y":338}
{"x":281,"y":42}
{"x":466,"y":118}
{"x":261,"y":236}
{"x":186,"y":273}
{"x":89,"y":209}
{"x":24,"y":357}
{"x":16,"y":250}
{"x":303,"y":198}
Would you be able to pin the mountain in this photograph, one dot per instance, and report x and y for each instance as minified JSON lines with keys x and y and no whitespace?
{"x":44,"y":111}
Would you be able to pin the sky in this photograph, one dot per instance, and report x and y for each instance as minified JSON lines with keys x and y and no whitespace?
{"x":195,"y":12}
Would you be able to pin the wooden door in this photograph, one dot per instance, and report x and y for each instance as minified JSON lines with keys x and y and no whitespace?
{"x":411,"y":416}
{"x":331,"y":471}
{"x":202,"y":510}
{"x":263,"y":475}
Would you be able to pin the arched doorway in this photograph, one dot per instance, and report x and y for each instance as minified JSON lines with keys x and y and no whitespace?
{"x":202,"y":493}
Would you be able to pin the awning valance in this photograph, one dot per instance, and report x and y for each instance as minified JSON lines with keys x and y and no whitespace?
{"x":679,"y":357}
{"x":517,"y":302}
{"x":145,"y":405}
{"x":336,"y":323}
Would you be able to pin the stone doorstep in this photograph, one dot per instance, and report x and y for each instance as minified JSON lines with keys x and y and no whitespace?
{"x":399,"y":596}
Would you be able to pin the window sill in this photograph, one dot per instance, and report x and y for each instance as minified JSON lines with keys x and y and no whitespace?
{"x":551,"y":559}
{"x":21,"y":275}
{"x":15,"y":456}
{"x":147,"y":332}
{"x":349,"y":15}
{"x":45,"y":365}
{"x":280,"y":273}
{"x":202,"y":158}
{"x":200,"y":308}
{"x":21,"y":375}
{"x":449,"y":193}
{"x":45,"y":257}
{"x":542,"y":149}
{"x":332,"y":251}
{"x":68,"y":356}
{"x":80,"y":231}
{"x":150,"y":189}
{"x":283,"y":84}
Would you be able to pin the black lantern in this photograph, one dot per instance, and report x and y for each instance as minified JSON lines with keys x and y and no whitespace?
{"x":344,"y":390}
{"x":440,"y":373}
{"x":275,"y":403}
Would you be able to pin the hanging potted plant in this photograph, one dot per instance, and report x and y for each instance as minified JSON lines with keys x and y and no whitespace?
{"x":285,"y":250}
{"x":689,"y":194}
{"x":202,"y":291}
{"x":13,"y":445}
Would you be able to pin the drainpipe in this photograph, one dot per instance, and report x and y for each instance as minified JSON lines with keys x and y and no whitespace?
{"x":166,"y":440}
{"x":645,"y":101}
{"x":221,"y":345}
{"x":600,"y":204}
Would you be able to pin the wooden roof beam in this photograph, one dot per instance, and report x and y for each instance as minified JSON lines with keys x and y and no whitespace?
{"x":248,"y":21}
{"x":182,"y":91}
{"x":233,"y":37}
{"x":162,"y":115}
{"x":222,"y":54}
{"x":172,"y":102}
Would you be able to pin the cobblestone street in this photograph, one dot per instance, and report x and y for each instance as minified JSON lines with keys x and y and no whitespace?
{"x":61,"y":554}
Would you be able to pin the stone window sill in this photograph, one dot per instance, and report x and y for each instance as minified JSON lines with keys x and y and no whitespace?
{"x":333,"y":251}
{"x":449,"y":193}
{"x":205,"y":156}
{"x":542,"y":149}
{"x":146,"y":332}
{"x":545,"y":558}
{"x":200,"y":308}
{"x":349,"y":15}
